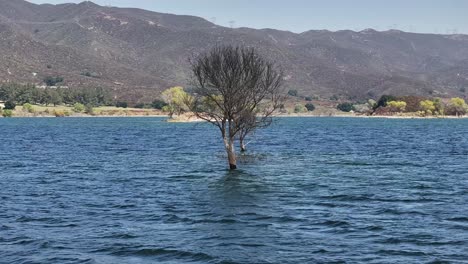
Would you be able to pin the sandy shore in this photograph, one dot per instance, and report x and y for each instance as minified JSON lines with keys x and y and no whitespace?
{"x":376,"y":116}
{"x":190,"y":118}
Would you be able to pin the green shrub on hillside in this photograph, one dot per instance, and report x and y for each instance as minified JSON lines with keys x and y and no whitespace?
{"x":143,"y":106}
{"x":372,"y":103}
{"x":384,"y":99}
{"x":89,"y":109}
{"x":158,"y":104}
{"x":427,"y":107}
{"x":9,"y":105}
{"x":78,"y":108}
{"x":121,"y":104}
{"x":28,"y":108}
{"x":457,"y":106}
{"x":345,"y":107}
{"x":52,"y":81}
{"x":293,"y":93}
{"x":397,"y":106}
{"x":299,"y":108}
{"x":310,"y":107}
{"x":7,"y":113}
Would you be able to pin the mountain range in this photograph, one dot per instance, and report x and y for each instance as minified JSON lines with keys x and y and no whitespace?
{"x":138,"y":53}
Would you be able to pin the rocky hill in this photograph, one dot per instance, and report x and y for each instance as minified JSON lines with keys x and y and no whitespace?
{"x":137,"y":52}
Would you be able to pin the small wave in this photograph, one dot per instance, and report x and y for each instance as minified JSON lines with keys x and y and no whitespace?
{"x":335,"y":223}
{"x":247,"y":245}
{"x":351,"y":163}
{"x":374,"y":228}
{"x":439,"y":262}
{"x":348,"y":198}
{"x":399,"y":212}
{"x":419,"y":200}
{"x":25,"y":219}
{"x":217,"y":221}
{"x":172,"y":253}
{"x":458,"y":219}
{"x":402,"y":253}
{"x":124,"y":206}
{"x":69,"y":260}
{"x":15,"y":165}
{"x":460,"y":227}
{"x":24,"y":242}
{"x":5,"y":227}
{"x":121,"y":236}
{"x":330,"y":205}
{"x":320,"y":251}
{"x":392,"y":240}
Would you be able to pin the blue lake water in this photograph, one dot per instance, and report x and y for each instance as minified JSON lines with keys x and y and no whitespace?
{"x":310,"y":190}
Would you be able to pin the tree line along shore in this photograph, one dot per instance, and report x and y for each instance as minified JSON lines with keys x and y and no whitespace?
{"x":30,"y":101}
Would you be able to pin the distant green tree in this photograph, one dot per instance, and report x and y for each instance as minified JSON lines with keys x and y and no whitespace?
{"x":52,"y":81}
{"x":397,"y":106}
{"x":121,"y":104}
{"x":6,"y":93}
{"x":175,"y":98}
{"x":310,"y":107}
{"x":439,"y":106}
{"x":457,"y":106}
{"x":140,"y":105}
{"x":293,"y":93}
{"x":345,"y":107}
{"x":308,"y":98}
{"x":51,"y":96}
{"x":25,"y":94}
{"x":158,"y":104}
{"x":20,"y":94}
{"x":427,"y":107}
{"x":384,"y":99}
{"x":94,"y":96}
{"x":10,"y":105}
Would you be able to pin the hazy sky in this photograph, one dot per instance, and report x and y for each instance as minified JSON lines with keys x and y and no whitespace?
{"x":436,"y":16}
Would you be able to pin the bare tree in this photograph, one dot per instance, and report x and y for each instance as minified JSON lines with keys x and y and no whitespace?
{"x":236,"y":90}
{"x":260,"y":117}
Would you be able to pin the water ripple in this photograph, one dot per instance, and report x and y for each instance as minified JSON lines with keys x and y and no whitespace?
{"x":310,"y":190}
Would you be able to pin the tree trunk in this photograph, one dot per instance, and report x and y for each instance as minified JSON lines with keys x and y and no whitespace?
{"x":231,"y":152}
{"x":243,"y":146}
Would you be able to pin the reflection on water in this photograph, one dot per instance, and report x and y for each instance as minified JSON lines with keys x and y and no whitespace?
{"x":309,"y":190}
